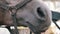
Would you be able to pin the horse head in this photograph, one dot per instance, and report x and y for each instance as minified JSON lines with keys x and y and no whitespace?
{"x":34,"y":15}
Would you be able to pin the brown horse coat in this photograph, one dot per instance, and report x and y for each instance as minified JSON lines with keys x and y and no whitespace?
{"x":35,"y":13}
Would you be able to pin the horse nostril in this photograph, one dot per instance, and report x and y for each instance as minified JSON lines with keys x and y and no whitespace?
{"x":40,"y":12}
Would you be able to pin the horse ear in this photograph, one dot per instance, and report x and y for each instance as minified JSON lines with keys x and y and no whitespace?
{"x":41,"y":13}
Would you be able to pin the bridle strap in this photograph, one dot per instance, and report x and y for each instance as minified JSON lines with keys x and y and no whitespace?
{"x":4,"y":6}
{"x":22,"y":4}
{"x":18,"y":6}
{"x":14,"y":20}
{"x":14,"y":11}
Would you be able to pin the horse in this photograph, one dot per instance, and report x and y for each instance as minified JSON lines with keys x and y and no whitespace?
{"x":34,"y":14}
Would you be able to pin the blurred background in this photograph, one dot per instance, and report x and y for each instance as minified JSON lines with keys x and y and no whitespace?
{"x":52,"y":5}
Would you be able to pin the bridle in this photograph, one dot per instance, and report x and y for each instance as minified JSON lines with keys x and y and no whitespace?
{"x":14,"y":11}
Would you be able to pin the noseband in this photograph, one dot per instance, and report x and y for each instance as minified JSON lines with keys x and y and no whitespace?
{"x":14,"y":11}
